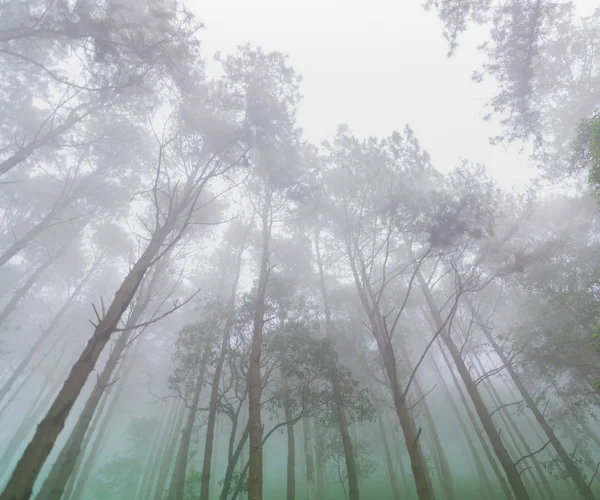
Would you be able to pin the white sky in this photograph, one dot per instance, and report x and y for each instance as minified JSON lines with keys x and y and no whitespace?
{"x":375,"y":66}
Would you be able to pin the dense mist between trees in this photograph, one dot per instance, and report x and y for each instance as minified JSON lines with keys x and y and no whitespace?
{"x":197,"y":302}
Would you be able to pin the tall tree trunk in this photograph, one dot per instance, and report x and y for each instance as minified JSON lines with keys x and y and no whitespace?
{"x":482,"y":439}
{"x":418,"y":463}
{"x":445,"y":472}
{"x":409,"y":428}
{"x":83,"y":469}
{"x":177,"y":488}
{"x":232,"y":462}
{"x":56,"y":481}
{"x":388,"y":459}
{"x":98,"y":417}
{"x":37,"y":408}
{"x":353,"y":490}
{"x":291,"y":443}
{"x":311,"y":493}
{"x":255,"y":479}
{"x":510,"y":469}
{"x":520,"y":444}
{"x":20,"y":484}
{"x":214,"y":392}
{"x":482,"y":474}
{"x":565,"y":458}
{"x":42,"y":398}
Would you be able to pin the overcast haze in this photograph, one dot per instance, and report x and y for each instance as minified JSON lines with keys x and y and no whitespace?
{"x":199,"y":303}
{"x":374,"y":65}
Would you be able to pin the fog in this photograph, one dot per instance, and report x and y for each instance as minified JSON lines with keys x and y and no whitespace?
{"x":265,"y":250}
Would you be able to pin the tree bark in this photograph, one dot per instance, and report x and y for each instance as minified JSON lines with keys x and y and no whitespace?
{"x":510,"y":469}
{"x":570,"y":467}
{"x":311,"y":493}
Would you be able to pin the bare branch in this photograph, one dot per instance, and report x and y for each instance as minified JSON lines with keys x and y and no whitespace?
{"x":532,"y":454}
{"x":504,"y":406}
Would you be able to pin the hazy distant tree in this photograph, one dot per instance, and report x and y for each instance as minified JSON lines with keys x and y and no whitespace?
{"x":364,"y":186}
{"x":231,"y":267}
{"x":543,"y":58}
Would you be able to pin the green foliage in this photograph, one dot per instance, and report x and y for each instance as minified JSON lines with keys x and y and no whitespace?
{"x":365,"y":463}
{"x":586,"y":151}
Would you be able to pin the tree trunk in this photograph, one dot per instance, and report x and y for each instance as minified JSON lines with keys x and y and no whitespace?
{"x":255,"y":479}
{"x":565,"y":458}
{"x":482,"y":439}
{"x":291,"y":444}
{"x":388,"y":459}
{"x":56,"y":481}
{"x":311,"y":493}
{"x":214,"y":393}
{"x":379,"y":331}
{"x":74,"y":489}
{"x":353,"y":490}
{"x":20,"y":484}
{"x":516,"y":436}
{"x":177,"y":488}
{"x":28,"y":420}
{"x":37,"y":408}
{"x":480,"y":470}
{"x":510,"y":469}
{"x":98,"y":417}
{"x":232,"y":462}
{"x":445,"y":475}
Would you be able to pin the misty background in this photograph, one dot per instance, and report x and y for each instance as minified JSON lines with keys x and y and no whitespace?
{"x":299,"y":250}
